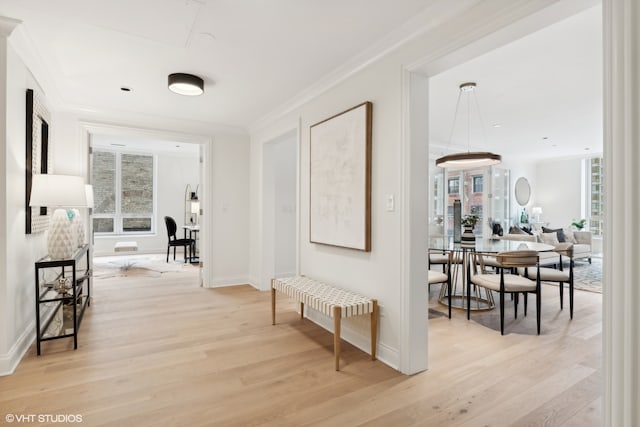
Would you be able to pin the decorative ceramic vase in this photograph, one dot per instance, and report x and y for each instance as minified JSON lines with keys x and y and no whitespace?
{"x":468,"y":239}
{"x":61,"y":242}
{"x":78,"y":227}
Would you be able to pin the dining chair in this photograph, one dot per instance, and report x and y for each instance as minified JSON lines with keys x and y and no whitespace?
{"x":435,"y":277}
{"x":444,"y":258}
{"x":174,"y":242}
{"x":560,"y":275}
{"x":506,"y":282}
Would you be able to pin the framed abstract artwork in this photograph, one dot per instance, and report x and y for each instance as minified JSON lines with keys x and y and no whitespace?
{"x":340,"y":179}
{"x":37,"y":159}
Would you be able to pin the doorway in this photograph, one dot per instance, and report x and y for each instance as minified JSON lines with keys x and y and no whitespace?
{"x":279,"y":208}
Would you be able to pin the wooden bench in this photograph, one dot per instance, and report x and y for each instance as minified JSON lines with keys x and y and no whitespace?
{"x":330,"y":300}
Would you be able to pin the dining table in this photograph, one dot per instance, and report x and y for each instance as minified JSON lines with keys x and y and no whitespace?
{"x":462,"y":255}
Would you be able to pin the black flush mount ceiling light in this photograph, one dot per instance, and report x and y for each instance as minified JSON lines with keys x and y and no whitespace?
{"x":186,"y":84}
{"x":469,"y":159}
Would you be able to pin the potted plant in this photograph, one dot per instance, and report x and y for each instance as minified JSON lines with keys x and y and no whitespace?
{"x":579,"y":224}
{"x":470,"y":220}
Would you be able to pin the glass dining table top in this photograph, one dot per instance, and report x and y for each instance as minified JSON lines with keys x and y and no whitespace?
{"x":489,"y":245}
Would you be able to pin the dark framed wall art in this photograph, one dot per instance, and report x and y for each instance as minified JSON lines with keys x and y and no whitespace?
{"x":37,"y":158}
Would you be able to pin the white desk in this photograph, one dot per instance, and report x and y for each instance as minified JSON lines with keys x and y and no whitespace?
{"x":193,"y":231}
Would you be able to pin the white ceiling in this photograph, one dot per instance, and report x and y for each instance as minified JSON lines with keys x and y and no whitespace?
{"x":545,"y":85}
{"x":257,"y":55}
{"x":254,"y":55}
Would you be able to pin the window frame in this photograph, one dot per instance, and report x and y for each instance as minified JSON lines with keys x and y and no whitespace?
{"x":598,"y":231}
{"x":118,"y":216}
{"x":474,"y":179}
{"x":457,"y":186}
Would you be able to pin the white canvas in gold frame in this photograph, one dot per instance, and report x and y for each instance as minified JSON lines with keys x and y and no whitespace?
{"x":340,"y":180}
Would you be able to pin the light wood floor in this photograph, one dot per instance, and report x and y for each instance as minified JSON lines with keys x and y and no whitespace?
{"x":165,"y":352}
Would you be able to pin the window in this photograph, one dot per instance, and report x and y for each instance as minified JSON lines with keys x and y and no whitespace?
{"x":123,"y":185}
{"x":595,"y":188}
{"x":477,"y":183}
{"x":454,"y":185}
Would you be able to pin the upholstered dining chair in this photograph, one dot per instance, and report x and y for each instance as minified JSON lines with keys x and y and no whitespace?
{"x":435,"y":277}
{"x":506,"y":282}
{"x":174,"y":242}
{"x":560,"y":275}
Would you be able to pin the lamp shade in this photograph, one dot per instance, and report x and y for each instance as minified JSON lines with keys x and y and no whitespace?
{"x":536,"y":210}
{"x":195,"y":206}
{"x":58,"y":191}
{"x":186,"y":84}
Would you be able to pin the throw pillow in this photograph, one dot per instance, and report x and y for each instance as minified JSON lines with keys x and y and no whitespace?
{"x":550,"y":238}
{"x":569,"y":236}
{"x":516,"y":230}
{"x":561,"y":236}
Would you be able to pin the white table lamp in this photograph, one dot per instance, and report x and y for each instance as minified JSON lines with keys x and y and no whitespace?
{"x":537,"y":211}
{"x":59,"y":191}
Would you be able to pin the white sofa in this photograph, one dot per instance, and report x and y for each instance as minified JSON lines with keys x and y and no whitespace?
{"x":581,"y":246}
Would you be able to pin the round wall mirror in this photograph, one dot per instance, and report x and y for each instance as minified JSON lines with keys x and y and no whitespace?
{"x":523,"y":191}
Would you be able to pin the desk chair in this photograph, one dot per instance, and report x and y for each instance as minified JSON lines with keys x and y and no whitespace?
{"x":172,"y":228}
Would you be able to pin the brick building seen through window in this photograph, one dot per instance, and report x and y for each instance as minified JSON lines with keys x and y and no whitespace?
{"x":124,"y":192}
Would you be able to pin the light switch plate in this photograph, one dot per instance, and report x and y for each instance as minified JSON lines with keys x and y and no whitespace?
{"x":390,"y":203}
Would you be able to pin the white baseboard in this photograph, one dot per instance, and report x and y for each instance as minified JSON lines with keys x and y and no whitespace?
{"x":388,"y":355}
{"x":226,"y":281}
{"x":9,"y":361}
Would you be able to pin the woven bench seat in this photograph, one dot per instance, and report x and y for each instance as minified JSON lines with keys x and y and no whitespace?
{"x":329,"y":300}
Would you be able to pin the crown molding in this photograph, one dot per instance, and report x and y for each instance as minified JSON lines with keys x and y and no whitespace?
{"x":7,"y":25}
{"x":438,"y":12}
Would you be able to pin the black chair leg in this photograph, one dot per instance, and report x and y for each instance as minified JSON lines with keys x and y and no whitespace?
{"x":449,"y":294}
{"x":525,"y":303}
{"x":571,"y":299}
{"x":571,"y":288}
{"x":561,"y":295}
{"x":174,"y":253}
{"x":501,"y":313}
{"x":538,"y":307}
{"x":168,"y":247}
{"x":515,"y":304}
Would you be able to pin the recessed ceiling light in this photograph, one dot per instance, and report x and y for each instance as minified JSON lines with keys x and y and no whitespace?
{"x":118,"y":145}
{"x":497,"y":125}
{"x":126,"y":89}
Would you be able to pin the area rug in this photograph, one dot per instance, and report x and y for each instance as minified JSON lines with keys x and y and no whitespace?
{"x":135,"y":265}
{"x":587,"y":277}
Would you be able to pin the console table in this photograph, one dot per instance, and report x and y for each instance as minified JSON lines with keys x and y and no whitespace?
{"x":63,"y":292}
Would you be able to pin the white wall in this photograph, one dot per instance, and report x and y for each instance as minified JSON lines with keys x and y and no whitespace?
{"x":558,"y":191}
{"x":229,"y":198}
{"x":19,"y":251}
